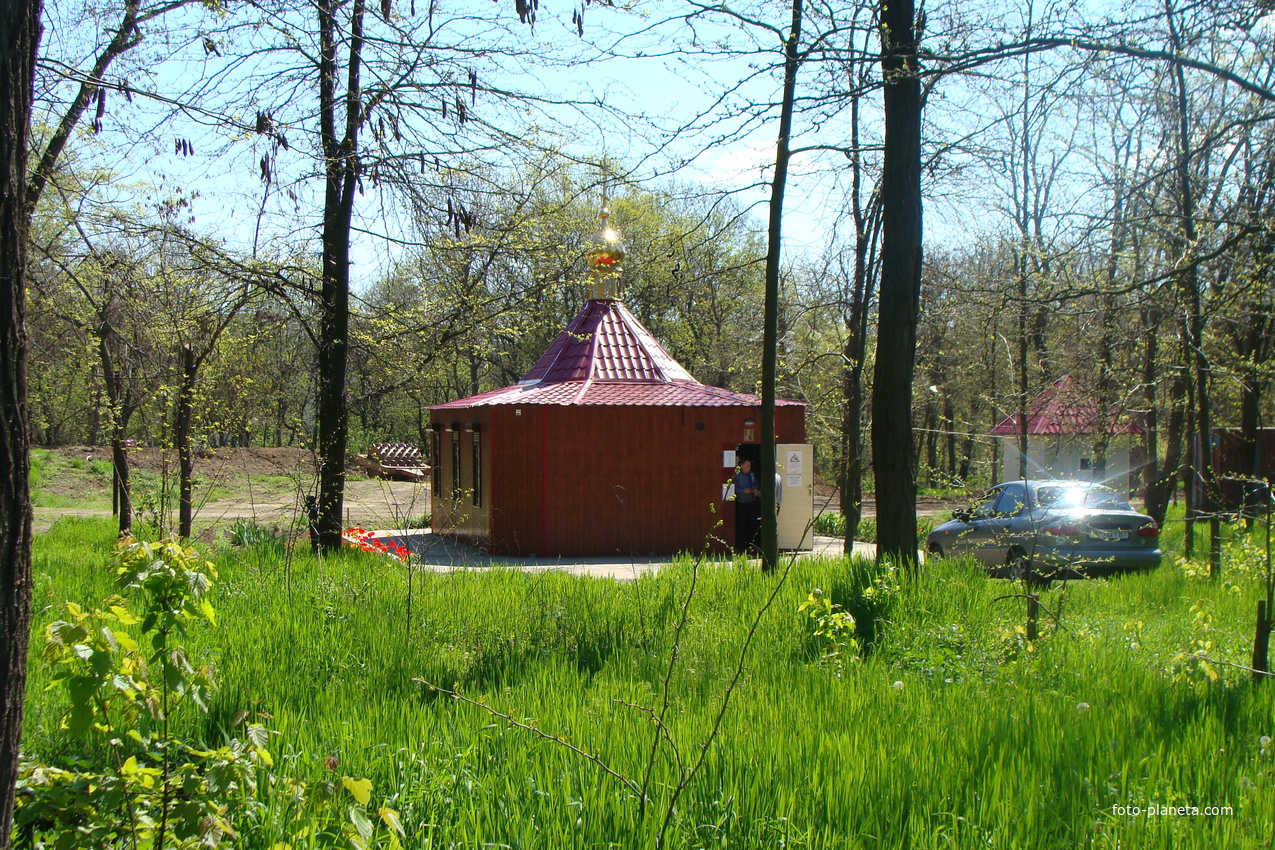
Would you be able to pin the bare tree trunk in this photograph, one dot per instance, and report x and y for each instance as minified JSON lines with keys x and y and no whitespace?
{"x":1154,"y":498}
{"x":1255,"y":347}
{"x":893,"y":442}
{"x":1021,"y":367}
{"x":119,"y":463}
{"x":1191,"y":450}
{"x":181,"y":431}
{"x":931,"y":442}
{"x":770,"y":336}
{"x":1188,"y":284}
{"x":341,"y":172}
{"x":1107,"y":342}
{"x":1250,"y":420}
{"x":866,"y":230}
{"x":949,"y":424}
{"x":117,"y":396}
{"x":1106,"y":383}
{"x":855,"y":352}
{"x":95,"y":418}
{"x":851,"y":484}
{"x":19,"y":39}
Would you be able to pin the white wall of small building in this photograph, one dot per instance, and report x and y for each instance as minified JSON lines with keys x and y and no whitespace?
{"x":1070,"y":457}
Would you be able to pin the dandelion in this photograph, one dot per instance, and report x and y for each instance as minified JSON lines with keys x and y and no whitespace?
{"x":1082,"y":707}
{"x":898,"y":686}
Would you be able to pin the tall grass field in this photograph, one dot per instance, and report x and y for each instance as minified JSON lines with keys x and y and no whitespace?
{"x":930,"y":722}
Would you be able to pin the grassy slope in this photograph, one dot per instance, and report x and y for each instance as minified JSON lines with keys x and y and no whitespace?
{"x":989,"y":742}
{"x":58,"y":481}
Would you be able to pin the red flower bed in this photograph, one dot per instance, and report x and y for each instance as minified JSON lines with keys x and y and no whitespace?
{"x":361,"y":538}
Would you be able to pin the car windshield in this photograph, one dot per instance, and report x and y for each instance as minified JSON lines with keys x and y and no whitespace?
{"x":1095,"y":496}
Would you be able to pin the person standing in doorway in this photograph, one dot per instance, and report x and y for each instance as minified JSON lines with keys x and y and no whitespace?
{"x":747,"y":508}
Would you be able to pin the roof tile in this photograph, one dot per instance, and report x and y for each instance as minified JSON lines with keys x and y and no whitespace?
{"x":606,"y":357}
{"x":1061,"y":408}
{"x":605,"y":342}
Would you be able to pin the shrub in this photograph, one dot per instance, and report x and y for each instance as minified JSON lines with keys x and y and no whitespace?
{"x":833,"y":524}
{"x":148,"y":787}
{"x":866,"y":590}
{"x":253,"y":536}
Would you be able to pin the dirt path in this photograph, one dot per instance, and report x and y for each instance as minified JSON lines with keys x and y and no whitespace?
{"x":368,"y":503}
{"x":266,"y":486}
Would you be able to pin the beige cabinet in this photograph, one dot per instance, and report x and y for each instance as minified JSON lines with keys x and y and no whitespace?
{"x":795,"y":463}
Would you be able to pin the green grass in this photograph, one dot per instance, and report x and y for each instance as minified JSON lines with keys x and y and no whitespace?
{"x":952,"y":732}
{"x":58,"y":482}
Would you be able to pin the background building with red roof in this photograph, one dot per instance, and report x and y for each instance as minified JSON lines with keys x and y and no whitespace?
{"x":607,"y":446}
{"x":1064,"y":424}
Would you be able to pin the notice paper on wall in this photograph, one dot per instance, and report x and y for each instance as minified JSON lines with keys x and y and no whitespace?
{"x":794,"y":464}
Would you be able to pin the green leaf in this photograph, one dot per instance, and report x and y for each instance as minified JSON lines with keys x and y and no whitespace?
{"x":360,"y":789}
{"x":66,"y":633}
{"x":124,"y":616}
{"x":101,"y":662}
{"x":391,"y":819}
{"x":80,"y":719}
{"x":81,"y":689}
{"x":361,"y":822}
{"x":172,"y":675}
{"x":258,"y":734}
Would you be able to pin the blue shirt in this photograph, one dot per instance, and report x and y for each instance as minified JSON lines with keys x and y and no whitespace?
{"x":745,"y":481}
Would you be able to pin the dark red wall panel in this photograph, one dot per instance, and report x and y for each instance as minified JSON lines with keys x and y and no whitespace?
{"x":623,"y":480}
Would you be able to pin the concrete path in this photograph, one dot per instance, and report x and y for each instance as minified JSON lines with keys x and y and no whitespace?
{"x":439,"y":554}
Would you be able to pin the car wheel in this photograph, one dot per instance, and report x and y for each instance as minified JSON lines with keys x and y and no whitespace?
{"x":935,"y":551}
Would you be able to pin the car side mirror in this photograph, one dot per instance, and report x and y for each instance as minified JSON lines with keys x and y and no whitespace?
{"x":961,"y":515}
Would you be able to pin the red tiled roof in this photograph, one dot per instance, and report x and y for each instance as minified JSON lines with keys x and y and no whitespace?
{"x":605,"y":356}
{"x":1061,"y":408}
{"x":682,"y":394}
{"x":605,"y":342}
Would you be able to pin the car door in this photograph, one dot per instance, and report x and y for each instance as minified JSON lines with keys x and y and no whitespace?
{"x":993,"y":526}
{"x":1010,"y":525}
{"x":972,"y":539}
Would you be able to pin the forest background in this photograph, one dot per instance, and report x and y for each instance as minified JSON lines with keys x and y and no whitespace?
{"x":1091,"y":210}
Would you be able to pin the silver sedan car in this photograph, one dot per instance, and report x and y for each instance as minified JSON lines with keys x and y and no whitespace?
{"x":1045,"y":530}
